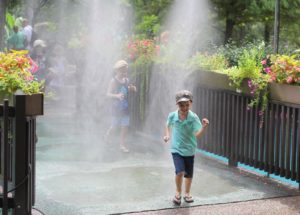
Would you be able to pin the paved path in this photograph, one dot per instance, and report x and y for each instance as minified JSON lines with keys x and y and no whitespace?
{"x":78,"y":174}
{"x":274,"y":206}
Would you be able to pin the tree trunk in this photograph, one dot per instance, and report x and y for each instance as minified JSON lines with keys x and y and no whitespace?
{"x":2,"y":23}
{"x":267,"y":33}
{"x":276,"y":26}
{"x":29,"y":10}
{"x":229,"y":29}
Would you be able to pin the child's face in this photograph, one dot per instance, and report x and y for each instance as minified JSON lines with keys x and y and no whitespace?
{"x":122,"y":72}
{"x":184,"y":107}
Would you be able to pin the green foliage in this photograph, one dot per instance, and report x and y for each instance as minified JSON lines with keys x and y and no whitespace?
{"x":249,"y":62}
{"x":9,"y":24}
{"x":250,"y":68}
{"x":10,"y":20}
{"x":247,"y":15}
{"x":245,"y":68}
{"x":213,"y":62}
{"x":149,"y":14}
{"x":149,"y":27}
{"x":259,"y":91}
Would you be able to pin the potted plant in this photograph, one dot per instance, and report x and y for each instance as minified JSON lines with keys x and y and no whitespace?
{"x":285,"y":78}
{"x":247,"y":76}
{"x":210,"y":70}
{"x":16,"y":73}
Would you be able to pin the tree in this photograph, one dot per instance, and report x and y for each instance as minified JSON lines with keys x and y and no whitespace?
{"x":232,"y":12}
{"x":149,"y":15}
{"x":255,"y":19}
{"x":2,"y":21}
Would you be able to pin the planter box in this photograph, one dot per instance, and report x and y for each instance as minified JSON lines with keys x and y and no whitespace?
{"x":34,"y":105}
{"x":285,"y":93}
{"x":219,"y":81}
{"x":212,"y":80}
{"x":30,"y":105}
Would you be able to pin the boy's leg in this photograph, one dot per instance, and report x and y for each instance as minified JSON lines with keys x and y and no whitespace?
{"x":115,"y":123}
{"x":188,"y":184}
{"x":124,"y":130}
{"x":179,"y":171}
{"x":178,"y":182}
{"x":189,"y":171}
{"x":108,"y":134}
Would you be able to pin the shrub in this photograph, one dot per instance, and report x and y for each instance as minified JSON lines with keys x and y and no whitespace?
{"x":215,"y":62}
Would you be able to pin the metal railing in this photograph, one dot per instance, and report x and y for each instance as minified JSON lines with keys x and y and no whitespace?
{"x":267,"y":141}
{"x":17,"y":157}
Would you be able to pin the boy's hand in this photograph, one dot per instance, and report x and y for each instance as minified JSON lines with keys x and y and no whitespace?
{"x":166,"y":138}
{"x":131,"y":87}
{"x":120,"y":96}
{"x":205,"y":122}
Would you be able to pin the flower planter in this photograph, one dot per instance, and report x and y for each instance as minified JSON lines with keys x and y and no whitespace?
{"x":212,"y":80}
{"x":31,"y":105}
{"x":34,"y":105}
{"x":285,"y":93}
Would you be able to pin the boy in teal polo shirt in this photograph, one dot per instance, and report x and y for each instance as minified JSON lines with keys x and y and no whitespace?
{"x":184,"y":127}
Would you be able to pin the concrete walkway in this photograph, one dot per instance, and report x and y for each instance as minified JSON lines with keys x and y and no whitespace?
{"x":274,"y":206}
{"x":79,"y":174}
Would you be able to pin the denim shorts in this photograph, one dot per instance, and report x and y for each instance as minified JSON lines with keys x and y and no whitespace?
{"x":120,"y":120}
{"x":184,"y":164}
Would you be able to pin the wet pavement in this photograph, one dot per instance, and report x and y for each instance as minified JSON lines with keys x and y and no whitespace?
{"x":79,"y":174}
{"x":273,"y":206}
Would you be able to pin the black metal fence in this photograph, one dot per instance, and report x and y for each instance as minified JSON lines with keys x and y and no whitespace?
{"x":267,"y":141}
{"x":17,"y":153}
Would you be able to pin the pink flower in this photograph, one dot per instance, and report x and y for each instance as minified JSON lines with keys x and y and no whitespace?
{"x":264,"y":62}
{"x":29,"y":78}
{"x":289,"y":80}
{"x":249,"y":83}
{"x":268,"y":70}
{"x":34,"y":67}
{"x":147,"y":42}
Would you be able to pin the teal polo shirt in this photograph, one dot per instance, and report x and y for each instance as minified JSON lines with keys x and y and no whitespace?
{"x":183,"y":140}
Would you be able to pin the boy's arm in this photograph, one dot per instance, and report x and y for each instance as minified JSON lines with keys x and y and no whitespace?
{"x":200,"y":133}
{"x":110,"y":93}
{"x":132,"y":88}
{"x":167,"y":134}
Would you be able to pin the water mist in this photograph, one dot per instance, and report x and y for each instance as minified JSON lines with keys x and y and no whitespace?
{"x":95,"y":31}
{"x":188,"y":27}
